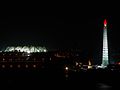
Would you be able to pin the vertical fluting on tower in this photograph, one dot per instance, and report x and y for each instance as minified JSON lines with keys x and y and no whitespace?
{"x":105,"y":46}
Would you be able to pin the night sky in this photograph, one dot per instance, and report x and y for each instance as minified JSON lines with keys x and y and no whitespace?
{"x":50,"y":31}
{"x":72,"y":27}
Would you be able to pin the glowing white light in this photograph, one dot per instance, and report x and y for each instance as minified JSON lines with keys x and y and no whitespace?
{"x":45,"y":50}
{"x":76,"y":63}
{"x":28,"y":54}
{"x":66,"y":68}
{"x":26,"y":49}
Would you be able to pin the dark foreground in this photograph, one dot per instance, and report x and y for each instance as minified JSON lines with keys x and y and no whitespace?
{"x":59,"y":79}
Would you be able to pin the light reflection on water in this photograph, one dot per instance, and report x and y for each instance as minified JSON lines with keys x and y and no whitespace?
{"x":103,"y":86}
{"x":43,"y":79}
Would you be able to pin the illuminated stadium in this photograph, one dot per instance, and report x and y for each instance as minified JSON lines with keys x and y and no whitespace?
{"x":27,"y":49}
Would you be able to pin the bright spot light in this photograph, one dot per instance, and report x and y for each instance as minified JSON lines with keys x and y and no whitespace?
{"x":28,"y":51}
{"x":66,"y":68}
{"x":45,"y":50}
{"x":28,"y":54}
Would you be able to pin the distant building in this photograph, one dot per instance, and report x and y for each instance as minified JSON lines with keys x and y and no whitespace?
{"x":27,"y":49}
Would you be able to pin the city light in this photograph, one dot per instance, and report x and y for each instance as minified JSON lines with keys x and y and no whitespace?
{"x":27,"y":49}
{"x":3,"y":66}
{"x":34,"y":66}
{"x":18,"y":66}
{"x":66,"y":68}
{"x":11,"y":66}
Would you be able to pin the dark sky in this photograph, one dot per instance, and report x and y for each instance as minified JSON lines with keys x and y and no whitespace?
{"x":72,"y":27}
{"x":51,"y":31}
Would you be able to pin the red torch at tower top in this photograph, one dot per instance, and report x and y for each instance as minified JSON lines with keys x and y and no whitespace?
{"x":105,"y":22}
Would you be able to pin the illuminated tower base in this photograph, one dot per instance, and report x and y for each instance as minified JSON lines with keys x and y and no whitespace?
{"x":105,"y":46}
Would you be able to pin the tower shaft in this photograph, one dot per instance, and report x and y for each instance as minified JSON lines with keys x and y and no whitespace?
{"x":105,"y":46}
